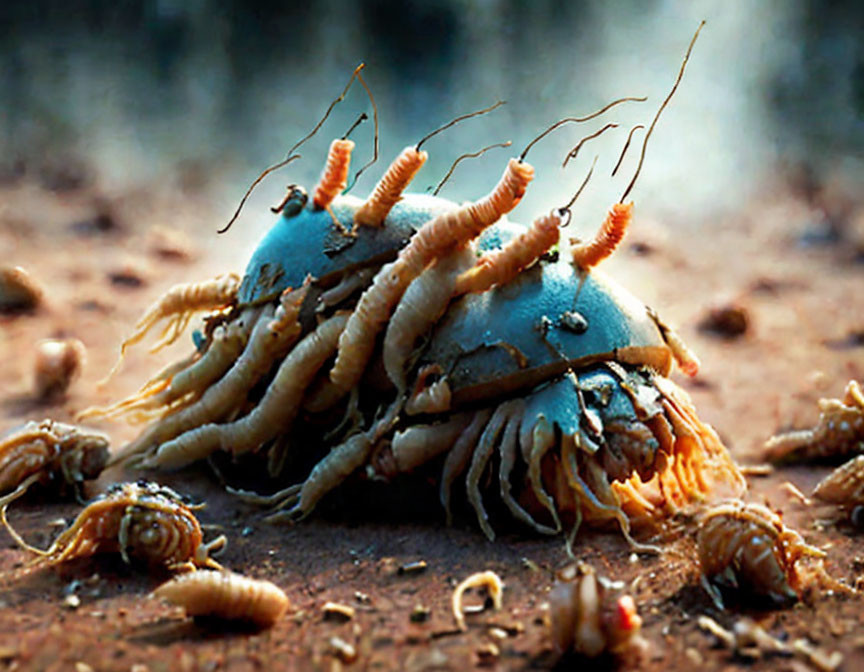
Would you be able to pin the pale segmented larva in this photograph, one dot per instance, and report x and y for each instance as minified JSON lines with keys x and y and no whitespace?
{"x":226,"y":595}
{"x":434,"y":238}
{"x":501,"y":266}
{"x":335,"y":175}
{"x":389,"y":189}
{"x":587,"y":255}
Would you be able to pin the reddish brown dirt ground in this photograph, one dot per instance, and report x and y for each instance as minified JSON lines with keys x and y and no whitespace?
{"x":804,"y":304}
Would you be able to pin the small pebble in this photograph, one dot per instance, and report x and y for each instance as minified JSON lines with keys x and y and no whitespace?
{"x":72,"y":601}
{"x":413,"y":567}
{"x":58,"y":363}
{"x":343,"y":650}
{"x":420,"y":614}
{"x":18,"y":291}
{"x":727,"y":321}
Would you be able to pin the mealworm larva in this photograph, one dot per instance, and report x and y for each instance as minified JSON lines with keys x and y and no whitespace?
{"x":588,"y":618}
{"x":274,"y":412}
{"x":500,"y":266}
{"x":40,"y":450}
{"x":587,"y":255}
{"x":226,"y":595}
{"x":389,"y":189}
{"x":838,"y":432}
{"x":420,"y":307}
{"x":493,"y":584}
{"x":434,"y":238}
{"x":335,"y":176}
{"x":179,"y":304}
{"x":58,"y":363}
{"x":747,"y":546}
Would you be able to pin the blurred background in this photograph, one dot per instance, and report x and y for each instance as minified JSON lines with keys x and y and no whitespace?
{"x":202,"y":95}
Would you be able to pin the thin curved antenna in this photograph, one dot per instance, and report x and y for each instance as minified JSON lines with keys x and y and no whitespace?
{"x":662,"y":107}
{"x":375,"y":142}
{"x":289,"y":157}
{"x":469,"y":155}
{"x":626,"y":147}
{"x":575,"y":151}
{"x":458,"y":119}
{"x":363,"y":117}
{"x":584,"y":184}
{"x":577,"y":120}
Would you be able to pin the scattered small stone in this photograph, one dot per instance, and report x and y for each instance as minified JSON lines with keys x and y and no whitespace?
{"x":420,"y":614}
{"x":170,"y":245}
{"x":413,"y":568}
{"x":139,"y":667}
{"x":127,"y":276}
{"x":72,"y":601}
{"x":497,"y":633}
{"x":343,"y":650}
{"x":488,"y":654}
{"x":82,"y":667}
{"x":362,"y":598}
{"x":58,"y":363}
{"x":530,"y":565}
{"x":247,"y":531}
{"x":728,"y":320}
{"x":18,"y":291}
{"x":333,"y":611}
{"x":694,"y":656}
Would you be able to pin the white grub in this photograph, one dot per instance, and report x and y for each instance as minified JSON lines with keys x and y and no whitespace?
{"x":226,"y":595}
{"x":493,"y":584}
{"x":338,"y":612}
{"x":58,"y":363}
{"x":749,"y":639}
{"x":18,"y":291}
{"x":589,"y":615}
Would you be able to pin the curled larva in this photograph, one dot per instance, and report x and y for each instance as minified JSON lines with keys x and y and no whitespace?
{"x":493,"y":584}
{"x":588,"y":617}
{"x":226,"y":595}
{"x":335,"y":175}
{"x":587,"y":255}
{"x":389,"y":189}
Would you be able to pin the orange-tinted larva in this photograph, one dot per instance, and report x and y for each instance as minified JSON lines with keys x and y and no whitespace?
{"x":389,"y":189}
{"x":587,"y":255}
{"x":335,"y":176}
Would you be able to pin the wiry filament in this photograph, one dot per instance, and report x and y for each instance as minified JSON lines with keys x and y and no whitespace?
{"x":662,"y":107}
{"x":626,"y":147}
{"x":469,"y":155}
{"x":573,"y":153}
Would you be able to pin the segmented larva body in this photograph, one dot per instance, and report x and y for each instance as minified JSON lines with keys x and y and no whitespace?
{"x":273,"y":414}
{"x":500,"y":266}
{"x":142,"y":520}
{"x":226,"y":595}
{"x":179,"y":304}
{"x":587,"y":618}
{"x":389,"y":189}
{"x":838,"y":432}
{"x":587,"y":255}
{"x":424,"y":302}
{"x":46,"y":449}
{"x":271,"y":338}
{"x":844,"y":485}
{"x":335,"y":175}
{"x":435,"y":238}
{"x":747,"y":546}
{"x":488,"y":579}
